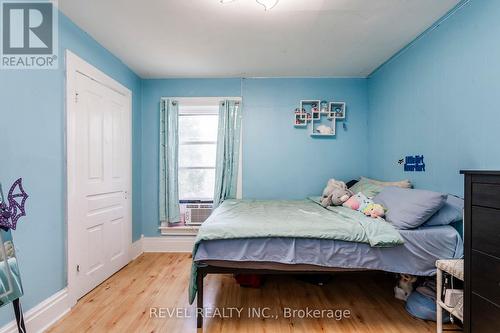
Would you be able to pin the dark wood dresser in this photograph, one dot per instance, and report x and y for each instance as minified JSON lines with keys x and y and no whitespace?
{"x":482,"y":251}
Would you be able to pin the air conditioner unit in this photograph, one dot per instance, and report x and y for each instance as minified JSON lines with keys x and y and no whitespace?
{"x":196,"y":213}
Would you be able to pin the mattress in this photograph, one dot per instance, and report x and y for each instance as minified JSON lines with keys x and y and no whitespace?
{"x":417,"y":256}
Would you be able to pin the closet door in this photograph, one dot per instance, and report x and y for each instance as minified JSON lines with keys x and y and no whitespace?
{"x":101,"y":221}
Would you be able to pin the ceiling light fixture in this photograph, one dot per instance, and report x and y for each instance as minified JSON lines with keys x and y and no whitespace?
{"x":268,"y":4}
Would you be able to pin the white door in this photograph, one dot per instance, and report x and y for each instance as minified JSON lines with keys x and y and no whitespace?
{"x":101,"y":214}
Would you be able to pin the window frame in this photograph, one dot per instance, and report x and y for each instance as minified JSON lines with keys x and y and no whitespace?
{"x":194,"y":111}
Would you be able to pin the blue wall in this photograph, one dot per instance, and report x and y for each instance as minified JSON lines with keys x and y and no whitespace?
{"x":440,"y":98}
{"x":279,"y":161}
{"x":32,"y":141}
{"x":283,"y":162}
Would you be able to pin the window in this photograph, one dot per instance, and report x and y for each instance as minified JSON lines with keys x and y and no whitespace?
{"x":197,"y":151}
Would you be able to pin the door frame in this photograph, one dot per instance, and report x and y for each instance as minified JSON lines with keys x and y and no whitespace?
{"x":77,"y":66}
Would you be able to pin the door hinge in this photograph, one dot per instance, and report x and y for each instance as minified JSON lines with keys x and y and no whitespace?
{"x":78,"y":268}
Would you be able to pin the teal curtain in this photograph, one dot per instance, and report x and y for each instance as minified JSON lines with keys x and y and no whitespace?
{"x":169,"y":152}
{"x":228,"y":151}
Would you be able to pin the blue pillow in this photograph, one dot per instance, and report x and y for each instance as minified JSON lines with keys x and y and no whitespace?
{"x":409,"y":208}
{"x":451,"y":212}
{"x":423,"y":307}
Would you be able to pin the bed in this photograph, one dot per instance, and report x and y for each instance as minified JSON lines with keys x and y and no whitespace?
{"x":301,"y":237}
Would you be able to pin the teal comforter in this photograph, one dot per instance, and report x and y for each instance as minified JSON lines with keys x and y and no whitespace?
{"x":296,"y":219}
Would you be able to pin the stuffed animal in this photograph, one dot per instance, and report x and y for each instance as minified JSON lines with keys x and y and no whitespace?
{"x":353,"y":202}
{"x":337,"y":197}
{"x":374,"y":210}
{"x":358,"y":202}
{"x":361,"y":203}
{"x":323,"y":129}
{"x":404,"y":287}
{"x":331,"y":186}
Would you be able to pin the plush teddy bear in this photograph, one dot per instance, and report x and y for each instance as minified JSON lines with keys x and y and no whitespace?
{"x":332,"y":186}
{"x":323,"y":129}
{"x":337,"y":197}
{"x":374,"y":210}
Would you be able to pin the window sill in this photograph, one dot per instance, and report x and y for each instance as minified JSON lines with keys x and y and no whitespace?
{"x":179,"y":230}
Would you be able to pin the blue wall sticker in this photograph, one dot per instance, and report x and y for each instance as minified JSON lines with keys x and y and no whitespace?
{"x":414,"y":163}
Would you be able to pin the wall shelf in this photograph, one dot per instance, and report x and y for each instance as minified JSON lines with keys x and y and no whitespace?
{"x":320,"y":115}
{"x":337,"y":110}
{"x":321,"y":134}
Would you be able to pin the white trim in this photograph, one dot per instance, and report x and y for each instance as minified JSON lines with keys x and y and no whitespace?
{"x":76,"y":65}
{"x":43,"y":315}
{"x":137,"y":248}
{"x":169,"y":244}
{"x":197,"y":110}
{"x":186,"y":230}
{"x":200,"y":101}
{"x":189,"y":77}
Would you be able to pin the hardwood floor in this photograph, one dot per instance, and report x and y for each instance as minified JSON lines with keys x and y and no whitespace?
{"x":124,"y":302}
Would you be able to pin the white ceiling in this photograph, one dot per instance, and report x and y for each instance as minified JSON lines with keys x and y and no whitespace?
{"x":204,"y":38}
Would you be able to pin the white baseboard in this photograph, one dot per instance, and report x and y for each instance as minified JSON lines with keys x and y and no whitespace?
{"x":137,"y":248}
{"x":43,"y":315}
{"x":168,"y":244}
{"x":177,"y":243}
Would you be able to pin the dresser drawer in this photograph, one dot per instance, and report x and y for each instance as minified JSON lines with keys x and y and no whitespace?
{"x":484,"y":316}
{"x":486,"y":230}
{"x":485,"y":276}
{"x":486,"y":195}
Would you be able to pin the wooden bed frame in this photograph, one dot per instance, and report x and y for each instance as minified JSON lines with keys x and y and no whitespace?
{"x":204,"y":269}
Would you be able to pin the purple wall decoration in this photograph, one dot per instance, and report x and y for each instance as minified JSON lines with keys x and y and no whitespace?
{"x":13,"y":209}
